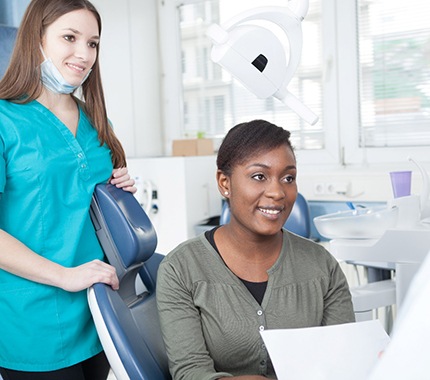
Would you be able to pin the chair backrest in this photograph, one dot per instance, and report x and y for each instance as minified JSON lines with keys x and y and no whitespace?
{"x":127,"y":320}
{"x":299,"y":221}
{"x":7,"y":42}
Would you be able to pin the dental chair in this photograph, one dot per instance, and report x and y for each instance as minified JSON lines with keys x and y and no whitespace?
{"x":299,"y":221}
{"x":127,"y":320}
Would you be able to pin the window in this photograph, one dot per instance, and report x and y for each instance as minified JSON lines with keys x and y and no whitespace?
{"x":394,"y":54}
{"x":381,"y":53}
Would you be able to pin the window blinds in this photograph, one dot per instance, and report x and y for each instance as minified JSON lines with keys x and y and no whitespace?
{"x":394,"y":55}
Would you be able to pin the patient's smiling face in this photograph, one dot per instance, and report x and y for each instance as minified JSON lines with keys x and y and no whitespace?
{"x":262,"y":191}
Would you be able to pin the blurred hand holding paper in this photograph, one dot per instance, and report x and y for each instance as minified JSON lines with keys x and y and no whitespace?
{"x":340,"y":352}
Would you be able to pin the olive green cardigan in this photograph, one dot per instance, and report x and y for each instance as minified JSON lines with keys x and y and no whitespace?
{"x":211,"y":323}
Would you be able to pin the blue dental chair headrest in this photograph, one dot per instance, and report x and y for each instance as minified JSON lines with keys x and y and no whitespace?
{"x":130,"y":232}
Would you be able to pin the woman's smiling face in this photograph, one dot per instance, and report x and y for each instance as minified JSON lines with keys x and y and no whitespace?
{"x":262,"y":191}
{"x":71,"y":42}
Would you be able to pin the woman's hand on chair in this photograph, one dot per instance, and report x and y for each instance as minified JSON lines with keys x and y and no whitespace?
{"x":121,"y":178}
{"x":83,"y":276}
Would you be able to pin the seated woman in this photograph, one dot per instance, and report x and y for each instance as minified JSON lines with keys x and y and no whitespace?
{"x":216,"y":292}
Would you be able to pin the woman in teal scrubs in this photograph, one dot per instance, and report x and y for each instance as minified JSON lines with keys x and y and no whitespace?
{"x":54,"y":149}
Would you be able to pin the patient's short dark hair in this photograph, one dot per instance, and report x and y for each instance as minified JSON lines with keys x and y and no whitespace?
{"x":248,"y":139}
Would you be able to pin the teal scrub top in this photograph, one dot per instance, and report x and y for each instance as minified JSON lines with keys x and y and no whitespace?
{"x":47,"y":178}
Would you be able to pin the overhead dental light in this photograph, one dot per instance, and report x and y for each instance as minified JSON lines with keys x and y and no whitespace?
{"x":256,"y":56}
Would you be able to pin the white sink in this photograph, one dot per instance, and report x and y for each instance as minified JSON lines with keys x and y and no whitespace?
{"x":361,"y":223}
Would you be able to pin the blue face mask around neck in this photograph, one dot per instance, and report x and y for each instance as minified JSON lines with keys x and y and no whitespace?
{"x":53,"y":80}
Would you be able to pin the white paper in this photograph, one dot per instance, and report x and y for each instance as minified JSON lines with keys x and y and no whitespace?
{"x":340,"y":352}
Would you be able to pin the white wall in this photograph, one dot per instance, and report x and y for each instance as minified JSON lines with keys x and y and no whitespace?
{"x":131,"y":77}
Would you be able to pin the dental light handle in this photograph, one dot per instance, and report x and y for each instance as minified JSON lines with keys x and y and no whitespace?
{"x":297,"y":106}
{"x":299,"y":7}
{"x":295,"y":15}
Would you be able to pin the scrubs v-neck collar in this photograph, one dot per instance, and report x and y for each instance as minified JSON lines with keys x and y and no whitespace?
{"x":72,"y":140}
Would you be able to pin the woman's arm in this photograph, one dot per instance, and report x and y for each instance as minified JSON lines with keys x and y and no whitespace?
{"x":18,"y":259}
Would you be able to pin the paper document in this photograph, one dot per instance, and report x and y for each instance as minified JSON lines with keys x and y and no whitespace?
{"x":340,"y":352}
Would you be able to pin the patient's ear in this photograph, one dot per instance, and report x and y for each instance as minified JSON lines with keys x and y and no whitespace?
{"x":223,"y":182}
